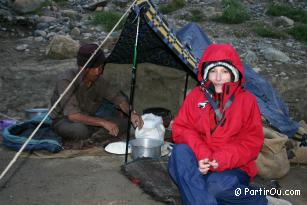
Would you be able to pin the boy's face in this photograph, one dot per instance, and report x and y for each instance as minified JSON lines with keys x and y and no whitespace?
{"x":218,"y":76}
{"x":92,"y":74}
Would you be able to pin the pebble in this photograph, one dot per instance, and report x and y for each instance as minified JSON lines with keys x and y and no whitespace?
{"x":40,"y":33}
{"x":87,"y":35}
{"x":257,"y":69}
{"x":289,"y":44}
{"x":50,"y":35}
{"x":22,"y":47}
{"x":283,"y":74}
{"x":38,"y":39}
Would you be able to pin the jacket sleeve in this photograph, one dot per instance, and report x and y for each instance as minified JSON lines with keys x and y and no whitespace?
{"x":69,"y":102}
{"x":184,"y":130}
{"x":246,"y":146}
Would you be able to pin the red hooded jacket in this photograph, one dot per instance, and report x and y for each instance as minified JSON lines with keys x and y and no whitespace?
{"x":238,"y":139}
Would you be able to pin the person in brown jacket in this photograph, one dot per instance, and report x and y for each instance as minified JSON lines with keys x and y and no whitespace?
{"x":77,"y":115}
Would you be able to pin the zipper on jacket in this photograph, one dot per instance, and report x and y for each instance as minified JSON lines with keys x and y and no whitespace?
{"x":227,"y":89}
{"x":223,"y":123}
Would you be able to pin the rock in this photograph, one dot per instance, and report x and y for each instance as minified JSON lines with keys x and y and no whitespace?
{"x":87,"y":35}
{"x":289,"y":44}
{"x":99,"y":8}
{"x":24,"y":21}
{"x":42,"y":26}
{"x":93,"y":6}
{"x":256,"y":69}
{"x":38,"y":39}
{"x":211,"y":12}
{"x":282,"y":74}
{"x":75,"y":32}
{"x":106,"y":50}
{"x":47,"y":19}
{"x":71,"y":14}
{"x":58,"y":28}
{"x":120,"y":3}
{"x":250,"y":57}
{"x":20,"y":18}
{"x":61,"y":33}
{"x":62,"y":47}
{"x":272,"y":54}
{"x":40,"y":33}
{"x":99,"y":29}
{"x":22,"y":47}
{"x":299,"y":62}
{"x":26,"y":6}
{"x":46,"y":11}
{"x":107,"y":8}
{"x":50,"y":35}
{"x":283,"y":21}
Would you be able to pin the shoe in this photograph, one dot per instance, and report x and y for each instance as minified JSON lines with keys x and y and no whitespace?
{"x":100,"y":135}
{"x":74,"y":145}
{"x":102,"y":138}
{"x":275,"y":201}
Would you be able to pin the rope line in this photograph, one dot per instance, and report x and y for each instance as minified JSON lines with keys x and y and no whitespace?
{"x":62,"y":95}
{"x":8,"y":117}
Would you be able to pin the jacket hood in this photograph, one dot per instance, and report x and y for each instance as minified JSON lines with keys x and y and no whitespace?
{"x":220,"y":52}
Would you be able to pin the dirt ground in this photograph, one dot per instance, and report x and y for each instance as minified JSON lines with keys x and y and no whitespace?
{"x":94,"y":180}
{"x":89,"y":180}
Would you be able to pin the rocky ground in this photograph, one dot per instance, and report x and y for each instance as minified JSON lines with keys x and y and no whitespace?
{"x":27,"y":73}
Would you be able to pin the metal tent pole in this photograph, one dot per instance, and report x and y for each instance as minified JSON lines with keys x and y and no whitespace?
{"x":186,"y":85}
{"x":132,"y":85}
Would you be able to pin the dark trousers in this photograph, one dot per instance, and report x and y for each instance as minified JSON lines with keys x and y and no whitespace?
{"x":212,"y":188}
{"x":76,"y":131}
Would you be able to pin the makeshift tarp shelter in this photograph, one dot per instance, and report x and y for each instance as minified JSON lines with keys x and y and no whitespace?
{"x":156,"y":42}
{"x":181,"y":49}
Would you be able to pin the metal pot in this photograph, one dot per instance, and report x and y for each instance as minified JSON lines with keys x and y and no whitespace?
{"x":145,"y":147}
{"x":30,"y":113}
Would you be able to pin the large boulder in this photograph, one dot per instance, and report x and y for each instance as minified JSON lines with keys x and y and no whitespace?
{"x":283,"y":21}
{"x":62,"y":47}
{"x":273,"y":54}
{"x":26,"y":6}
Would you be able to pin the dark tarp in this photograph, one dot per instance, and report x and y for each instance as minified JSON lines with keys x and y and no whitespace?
{"x":193,"y":37}
{"x":151,"y":49}
{"x":271,"y":105}
{"x":154,"y":48}
{"x":45,"y":139}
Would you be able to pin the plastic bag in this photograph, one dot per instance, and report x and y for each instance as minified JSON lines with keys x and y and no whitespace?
{"x":153,"y":128}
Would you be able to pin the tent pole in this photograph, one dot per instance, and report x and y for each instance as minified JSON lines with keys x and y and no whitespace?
{"x":132,"y":85}
{"x":186,"y":85}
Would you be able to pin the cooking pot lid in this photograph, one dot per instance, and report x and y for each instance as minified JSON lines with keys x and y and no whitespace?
{"x":117,"y":148}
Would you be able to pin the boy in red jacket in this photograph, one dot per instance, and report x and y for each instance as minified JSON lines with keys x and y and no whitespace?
{"x":219,"y":134}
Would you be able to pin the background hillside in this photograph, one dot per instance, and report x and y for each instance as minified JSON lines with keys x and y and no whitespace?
{"x":269,"y":35}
